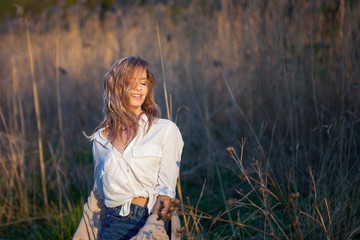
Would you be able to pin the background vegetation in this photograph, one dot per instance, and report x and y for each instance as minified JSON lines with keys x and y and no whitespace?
{"x":282,"y":74}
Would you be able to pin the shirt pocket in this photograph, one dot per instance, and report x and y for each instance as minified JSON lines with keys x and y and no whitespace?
{"x":147,"y":151}
{"x":146,"y":161}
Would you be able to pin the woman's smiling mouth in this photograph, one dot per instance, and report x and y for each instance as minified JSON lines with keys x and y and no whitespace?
{"x":137,"y":96}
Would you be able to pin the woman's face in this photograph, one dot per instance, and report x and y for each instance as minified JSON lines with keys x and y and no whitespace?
{"x":139,"y":91}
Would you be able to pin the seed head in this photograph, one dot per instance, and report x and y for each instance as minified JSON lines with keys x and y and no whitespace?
{"x":230,"y":150}
{"x":244,"y":176}
{"x":175,"y":201}
{"x":231,"y":201}
{"x":181,"y":230}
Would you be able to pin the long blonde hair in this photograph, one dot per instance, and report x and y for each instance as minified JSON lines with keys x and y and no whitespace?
{"x":117,"y":85}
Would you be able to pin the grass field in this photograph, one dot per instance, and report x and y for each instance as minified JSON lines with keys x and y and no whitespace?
{"x":265,"y":93}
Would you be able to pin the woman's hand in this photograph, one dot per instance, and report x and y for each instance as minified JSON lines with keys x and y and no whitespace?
{"x":164,"y":208}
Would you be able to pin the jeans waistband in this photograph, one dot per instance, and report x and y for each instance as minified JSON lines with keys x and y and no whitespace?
{"x":134,"y":210}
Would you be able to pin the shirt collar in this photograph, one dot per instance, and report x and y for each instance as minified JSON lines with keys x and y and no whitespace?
{"x":143,"y":121}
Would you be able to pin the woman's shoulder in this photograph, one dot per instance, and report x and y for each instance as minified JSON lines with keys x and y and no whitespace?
{"x":165,"y":123}
{"x":95,"y":135}
{"x":170,"y":131}
{"x":99,"y":136}
{"x":169,"y":128}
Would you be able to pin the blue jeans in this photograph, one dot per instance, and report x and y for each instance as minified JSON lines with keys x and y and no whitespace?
{"x":124,"y":227}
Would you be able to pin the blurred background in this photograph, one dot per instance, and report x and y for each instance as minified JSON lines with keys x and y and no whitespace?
{"x":284,"y":75}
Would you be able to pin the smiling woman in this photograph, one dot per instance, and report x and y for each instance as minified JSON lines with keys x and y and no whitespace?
{"x":136,"y":158}
{"x":138,"y":93}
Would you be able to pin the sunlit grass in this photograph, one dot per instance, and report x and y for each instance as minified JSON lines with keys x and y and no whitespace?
{"x":282,"y":75}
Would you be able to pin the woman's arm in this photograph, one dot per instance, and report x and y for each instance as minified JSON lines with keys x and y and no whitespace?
{"x":169,"y":169}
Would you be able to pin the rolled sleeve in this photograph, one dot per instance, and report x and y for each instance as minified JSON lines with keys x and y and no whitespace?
{"x":172,"y":147}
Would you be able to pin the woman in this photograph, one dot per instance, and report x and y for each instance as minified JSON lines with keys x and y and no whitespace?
{"x":136,"y":156}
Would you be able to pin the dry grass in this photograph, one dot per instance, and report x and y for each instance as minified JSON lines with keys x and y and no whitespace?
{"x":283,"y":74}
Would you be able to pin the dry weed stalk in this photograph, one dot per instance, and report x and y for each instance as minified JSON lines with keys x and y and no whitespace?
{"x":38,"y":121}
{"x":168,"y":106}
{"x":12,"y":157}
{"x":267,"y":201}
{"x":270,"y":195}
{"x":197,"y":215}
{"x":318,"y":216}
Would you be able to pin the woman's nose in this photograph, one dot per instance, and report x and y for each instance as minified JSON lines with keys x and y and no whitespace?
{"x":138,"y":87}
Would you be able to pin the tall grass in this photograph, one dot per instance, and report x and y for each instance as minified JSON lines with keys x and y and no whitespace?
{"x":283,"y":74}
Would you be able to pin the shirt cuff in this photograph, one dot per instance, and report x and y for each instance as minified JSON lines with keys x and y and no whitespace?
{"x":164,"y":190}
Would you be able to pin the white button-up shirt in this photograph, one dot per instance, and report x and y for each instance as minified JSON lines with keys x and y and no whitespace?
{"x":148,"y":167}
